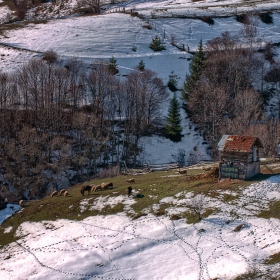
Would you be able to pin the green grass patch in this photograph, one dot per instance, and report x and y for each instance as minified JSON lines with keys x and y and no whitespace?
{"x":154,"y":186}
{"x":229,"y":197}
{"x":191,"y":218}
{"x":273,"y":259}
{"x":273,"y":212}
{"x":207,"y":212}
{"x":256,"y":275}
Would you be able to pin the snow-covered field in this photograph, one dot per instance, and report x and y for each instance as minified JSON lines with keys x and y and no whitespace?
{"x":116,"y":247}
{"x":168,"y":8}
{"x":94,"y":38}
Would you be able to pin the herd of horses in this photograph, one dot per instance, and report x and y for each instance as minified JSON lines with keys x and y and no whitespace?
{"x":94,"y":188}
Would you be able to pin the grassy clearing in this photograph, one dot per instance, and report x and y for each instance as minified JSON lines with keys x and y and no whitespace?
{"x":154,"y":186}
{"x":273,"y":212}
{"x":229,"y":197}
{"x":273,"y":259}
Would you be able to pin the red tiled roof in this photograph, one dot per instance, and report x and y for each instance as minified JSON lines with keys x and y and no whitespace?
{"x":241,"y":143}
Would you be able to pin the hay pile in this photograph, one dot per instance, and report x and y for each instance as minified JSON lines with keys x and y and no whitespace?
{"x":213,"y":174}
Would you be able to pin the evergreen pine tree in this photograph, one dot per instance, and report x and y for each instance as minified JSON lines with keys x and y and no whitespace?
{"x":195,"y":68}
{"x":157,"y":44}
{"x":112,"y":66}
{"x":173,"y":121}
{"x":172,"y":82}
{"x":141,"y":65}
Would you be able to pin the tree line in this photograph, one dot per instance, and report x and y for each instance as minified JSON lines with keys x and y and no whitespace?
{"x":59,"y":123}
{"x":233,"y":88}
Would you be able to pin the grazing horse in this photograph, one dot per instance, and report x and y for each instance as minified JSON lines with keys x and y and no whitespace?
{"x":54,"y":193}
{"x":62,"y":191}
{"x":96,"y":188}
{"x":129,"y":191}
{"x":131,"y":180}
{"x":22,"y":203}
{"x":85,"y":188}
{"x":105,"y":186}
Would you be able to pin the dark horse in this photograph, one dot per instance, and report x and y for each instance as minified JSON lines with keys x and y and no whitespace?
{"x":85,"y":188}
{"x":129,"y":190}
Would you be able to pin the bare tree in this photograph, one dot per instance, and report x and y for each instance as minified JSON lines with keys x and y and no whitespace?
{"x":197,"y":205}
{"x":247,"y":110}
{"x":272,"y":77}
{"x":268,"y":132}
{"x":145,"y":93}
{"x":224,"y":100}
{"x":50,"y":56}
{"x":22,"y":7}
{"x":4,"y":91}
{"x":250,"y":30}
{"x":92,"y":5}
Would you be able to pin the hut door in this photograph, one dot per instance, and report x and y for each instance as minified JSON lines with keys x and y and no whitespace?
{"x":255,"y":153}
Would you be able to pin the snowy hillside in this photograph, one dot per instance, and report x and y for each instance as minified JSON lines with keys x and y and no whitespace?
{"x":120,"y":35}
{"x":116,"y":247}
{"x":230,"y":242}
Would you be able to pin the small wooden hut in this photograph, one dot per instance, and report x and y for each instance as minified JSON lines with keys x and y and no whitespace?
{"x":239,"y":156}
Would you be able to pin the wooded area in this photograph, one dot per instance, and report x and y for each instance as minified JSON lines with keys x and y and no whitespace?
{"x":63,"y":120}
{"x":232,"y":89}
{"x":60,"y":121}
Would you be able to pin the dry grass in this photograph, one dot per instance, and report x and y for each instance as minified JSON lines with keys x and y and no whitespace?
{"x":273,"y":259}
{"x":154,"y":186}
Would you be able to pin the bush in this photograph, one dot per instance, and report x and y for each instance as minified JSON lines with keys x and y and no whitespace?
{"x":147,"y":26}
{"x":21,"y":7}
{"x":242,"y":18}
{"x":172,"y":82}
{"x":266,"y":18}
{"x":208,"y":20}
{"x":50,"y":56}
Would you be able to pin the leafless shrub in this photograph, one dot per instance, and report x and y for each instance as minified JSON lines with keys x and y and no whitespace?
{"x":108,"y":172}
{"x":22,"y":7}
{"x":50,"y":56}
{"x":197,"y":205}
{"x":208,"y":20}
{"x":89,"y":5}
{"x":172,"y":39}
{"x":147,"y":26}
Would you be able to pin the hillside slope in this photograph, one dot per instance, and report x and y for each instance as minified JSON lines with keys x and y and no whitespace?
{"x":107,"y":235}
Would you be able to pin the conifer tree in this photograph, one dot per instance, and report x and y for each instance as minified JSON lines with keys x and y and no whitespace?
{"x":195,"y":68}
{"x":141,"y":65}
{"x":112,"y":66}
{"x":173,"y":121}
{"x":157,"y":44}
{"x":172,"y":82}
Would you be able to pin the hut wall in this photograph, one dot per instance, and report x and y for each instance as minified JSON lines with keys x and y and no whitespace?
{"x":232,"y":157}
{"x":253,"y":169}
{"x":238,"y":165}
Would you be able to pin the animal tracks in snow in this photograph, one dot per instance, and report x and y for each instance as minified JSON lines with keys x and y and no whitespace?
{"x":116,"y":247}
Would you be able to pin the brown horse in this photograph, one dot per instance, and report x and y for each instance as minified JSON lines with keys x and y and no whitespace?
{"x":96,"y":188}
{"x":62,"y":192}
{"x":105,"y":186}
{"x":54,"y":193}
{"x":131,"y":180}
{"x":85,"y":188}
